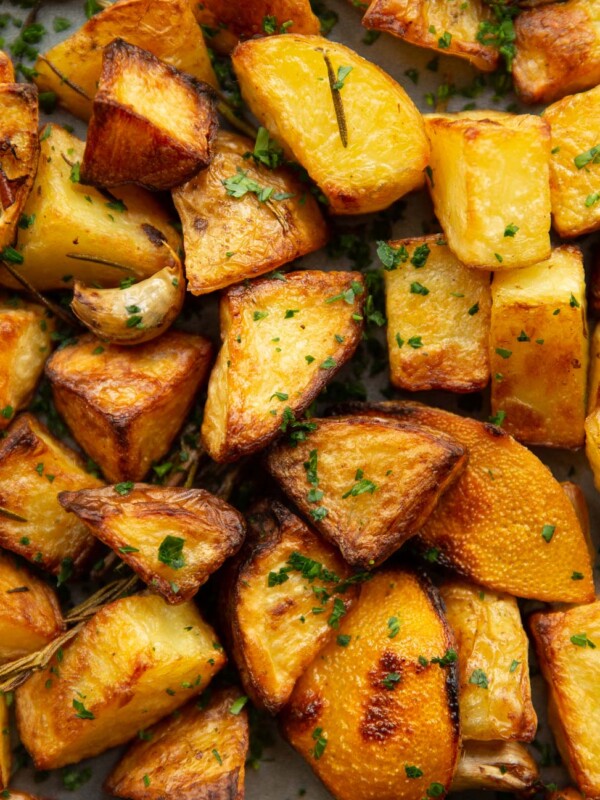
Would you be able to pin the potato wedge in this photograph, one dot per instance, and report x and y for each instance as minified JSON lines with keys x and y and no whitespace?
{"x":539,"y":350}
{"x":5,"y":748}
{"x":450,"y":28}
{"x":135,"y":661}
{"x":167,"y":28}
{"x":350,"y":712}
{"x":268,"y":602}
{"x":368,"y":484}
{"x":301,"y":330}
{"x":594,"y":372}
{"x":228,"y":239}
{"x":198,"y":754}
{"x":34,"y":468}
{"x":495,"y":213}
{"x":364,"y":144}
{"x":438,"y":314}
{"x":173,"y":538}
{"x":25,"y":331}
{"x":151,"y":124}
{"x":579,"y":503}
{"x":495,"y":692}
{"x":125,"y":405}
{"x":7,"y":72}
{"x":498,"y":766}
{"x":592,"y":444}
{"x":484,"y":530}
{"x":75,"y":231}
{"x":568,"y":648}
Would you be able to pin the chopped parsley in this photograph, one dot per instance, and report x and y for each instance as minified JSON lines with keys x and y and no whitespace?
{"x":170,"y":552}
{"x":479,"y":678}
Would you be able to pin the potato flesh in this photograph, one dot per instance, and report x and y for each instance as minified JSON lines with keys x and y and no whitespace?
{"x":538,"y":319}
{"x":500,"y":766}
{"x":284,"y":80}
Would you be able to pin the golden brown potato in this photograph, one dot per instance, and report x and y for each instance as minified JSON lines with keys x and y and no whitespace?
{"x":75,"y":231}
{"x":495,"y":692}
{"x":592,"y":444}
{"x":489,"y":183}
{"x":368,"y":484}
{"x":350,"y":712}
{"x":229,"y":238}
{"x":301,"y":330}
{"x":198,"y":754}
{"x":173,"y":538}
{"x":568,"y":648}
{"x":484,"y":529}
{"x":579,"y":503}
{"x":498,"y":766}
{"x":5,"y":748}
{"x":167,"y":28}
{"x":7,"y":72}
{"x":151,"y":124}
{"x":25,"y":333}
{"x":135,"y":661}
{"x":125,"y":405}
{"x":558,"y":50}
{"x":19,"y":154}
{"x":438,"y":314}
{"x":280,"y":602}
{"x":450,"y":27}
{"x":568,"y":793}
{"x":34,"y":468}
{"x":539,"y":350}
{"x":594,"y":372}
{"x":30,"y":616}
{"x":352,"y":127}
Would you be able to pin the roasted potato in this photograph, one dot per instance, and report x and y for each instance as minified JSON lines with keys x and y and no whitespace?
{"x":568,"y":793}
{"x":558,"y":50}
{"x":568,"y":648}
{"x":498,"y":766}
{"x":594,"y":372}
{"x":438,"y":314}
{"x":592,"y":444}
{"x":539,"y":350}
{"x":495,"y":692}
{"x":167,"y":28}
{"x":268,"y":602}
{"x":125,"y":405}
{"x":25,"y":333}
{"x":579,"y":503}
{"x":34,"y":468}
{"x":360,"y":138}
{"x":368,"y":484}
{"x":151,"y":124}
{"x":134,"y":662}
{"x":301,"y":330}
{"x":7,"y":72}
{"x":5,"y":748}
{"x":75,"y":231}
{"x":450,"y":27}
{"x":197,"y":754}
{"x":173,"y":538}
{"x":489,"y":183}
{"x":229,"y":238}
{"x":351,"y":710}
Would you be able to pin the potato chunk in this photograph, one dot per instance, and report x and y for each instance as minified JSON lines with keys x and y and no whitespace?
{"x":350,"y":712}
{"x":229,"y":238}
{"x":574,"y":186}
{"x":125,"y":405}
{"x":173,"y":538}
{"x":167,"y":28}
{"x":7,"y":72}
{"x":539,"y":350}
{"x":5,"y":748}
{"x":499,"y":766}
{"x":438,"y":314}
{"x":197,"y":754}
{"x":268,"y":602}
{"x":489,"y":183}
{"x":568,"y":648}
{"x":495,"y":692}
{"x":301,"y":331}
{"x":368,"y":484}
{"x":34,"y":468}
{"x":151,"y":124}
{"x":135,"y":661}
{"x":25,"y":331}
{"x":75,"y":231}
{"x":449,"y":27}
{"x":346,"y":121}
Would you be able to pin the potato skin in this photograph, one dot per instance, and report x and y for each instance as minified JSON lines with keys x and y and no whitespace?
{"x":179,"y":758}
{"x":344,"y":696}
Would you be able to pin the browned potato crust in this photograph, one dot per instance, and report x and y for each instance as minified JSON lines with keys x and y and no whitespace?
{"x":7,"y":72}
{"x":228,"y":239}
{"x":498,"y":766}
{"x":136,"y":524}
{"x":197,"y":754}
{"x":125,"y":405}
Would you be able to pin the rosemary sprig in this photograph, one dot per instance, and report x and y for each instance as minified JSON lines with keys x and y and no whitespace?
{"x":338,"y":104}
{"x":5,"y":512}
{"x":55,"y":309}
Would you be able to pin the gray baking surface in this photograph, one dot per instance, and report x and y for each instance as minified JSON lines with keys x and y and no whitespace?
{"x":282,"y":774}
